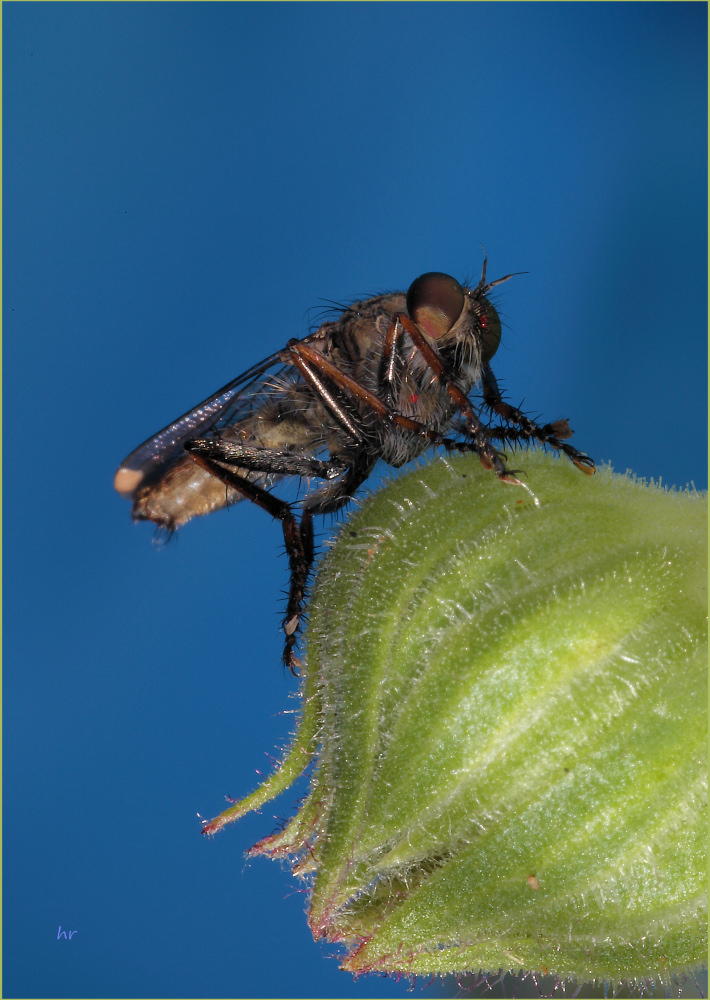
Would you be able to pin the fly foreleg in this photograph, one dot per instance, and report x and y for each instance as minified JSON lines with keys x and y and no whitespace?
{"x":553,"y":434}
{"x":391,"y":362}
{"x":313,"y":366}
{"x":489,"y":456}
{"x":222,"y":459}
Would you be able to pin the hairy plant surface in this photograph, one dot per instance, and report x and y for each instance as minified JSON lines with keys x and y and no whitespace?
{"x":506,"y":698}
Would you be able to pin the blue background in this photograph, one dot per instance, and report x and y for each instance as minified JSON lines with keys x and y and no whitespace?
{"x":182,"y":183}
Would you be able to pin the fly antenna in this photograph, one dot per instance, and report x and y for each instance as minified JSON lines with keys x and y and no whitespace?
{"x":485,"y":264}
{"x":499,"y":281}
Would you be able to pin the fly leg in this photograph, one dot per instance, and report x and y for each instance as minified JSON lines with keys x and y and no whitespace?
{"x":327,"y":500}
{"x":489,"y":456}
{"x":391,"y":362}
{"x":313,"y":365}
{"x":391,"y":366}
{"x":553,"y":434}
{"x":223,"y":459}
{"x":268,"y":461}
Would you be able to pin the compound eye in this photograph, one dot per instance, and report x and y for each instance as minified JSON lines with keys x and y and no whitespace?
{"x":435,"y":301}
{"x":489,"y":324}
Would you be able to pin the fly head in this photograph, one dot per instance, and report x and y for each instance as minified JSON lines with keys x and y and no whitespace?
{"x":455,"y":316}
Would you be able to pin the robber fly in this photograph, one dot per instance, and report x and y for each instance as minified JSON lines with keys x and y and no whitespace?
{"x":387,"y":379}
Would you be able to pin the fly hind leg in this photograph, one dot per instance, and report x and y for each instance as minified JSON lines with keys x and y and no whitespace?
{"x":223,"y":460}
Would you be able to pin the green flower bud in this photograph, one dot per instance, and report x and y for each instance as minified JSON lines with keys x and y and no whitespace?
{"x":506,"y":698}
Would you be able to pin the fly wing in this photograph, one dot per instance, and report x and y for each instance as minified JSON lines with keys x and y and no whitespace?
{"x":165,"y":485}
{"x":152,"y":458}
